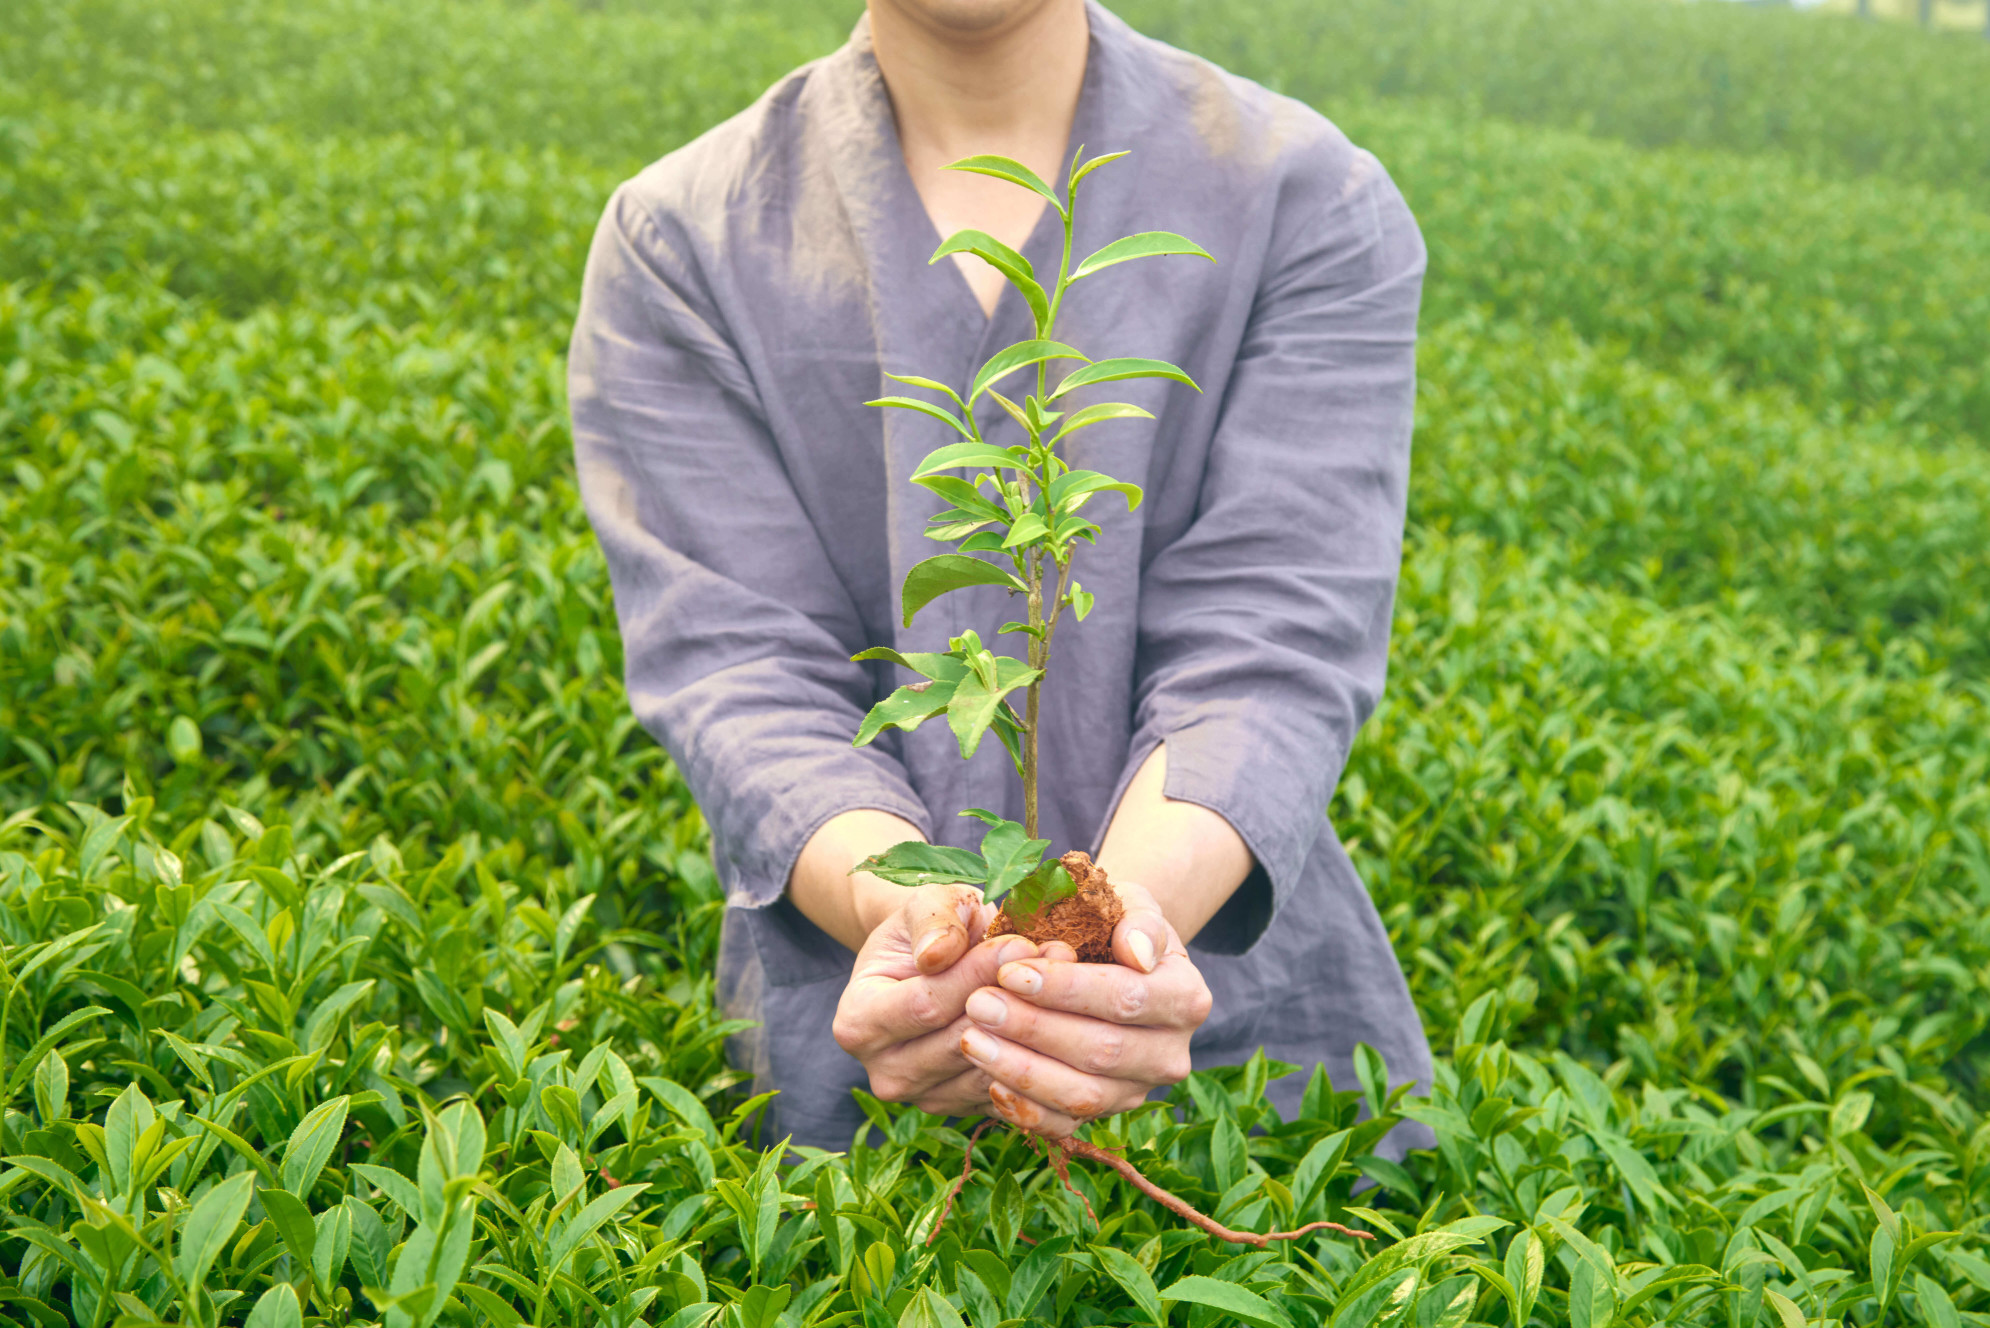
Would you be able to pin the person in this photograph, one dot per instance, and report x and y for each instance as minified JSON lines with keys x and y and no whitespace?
{"x":743,"y":298}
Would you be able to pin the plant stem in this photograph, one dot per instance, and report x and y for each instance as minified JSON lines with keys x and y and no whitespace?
{"x":1032,"y":708}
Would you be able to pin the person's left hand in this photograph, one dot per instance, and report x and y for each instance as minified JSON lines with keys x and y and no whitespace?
{"x":1065,"y":1042}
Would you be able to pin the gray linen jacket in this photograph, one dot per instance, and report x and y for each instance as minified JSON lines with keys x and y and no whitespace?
{"x":743,"y":296}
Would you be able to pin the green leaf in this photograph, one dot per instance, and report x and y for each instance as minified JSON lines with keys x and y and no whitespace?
{"x":1023,"y":354}
{"x":211,"y":1225}
{"x":928,"y":1309}
{"x":1009,"y":852}
{"x":1041,"y":888}
{"x":1147,"y":244}
{"x":1096,"y":414}
{"x":963,"y":495}
{"x":1381,"y":1303}
{"x":1004,"y":260}
{"x":948,"y":572}
{"x":941,"y":668}
{"x":52,"y":1088}
{"x":333,"y":1243}
{"x":1079,"y":172}
{"x":1448,"y":1304}
{"x":1124,"y":1269}
{"x":1881,"y":1256}
{"x":1069,"y":490}
{"x":968,"y":456}
{"x":277,"y":1308}
{"x":924,"y":408}
{"x":1112,"y":371}
{"x":1374,"y":1076}
{"x":1526,"y":1259}
{"x":1029,"y":526}
{"x":589,"y":1220}
{"x":907,"y":708}
{"x":1007,"y":168}
{"x":293,"y":1224}
{"x":1228,"y":1298}
{"x":1937,"y":1310}
{"x":976,"y":702}
{"x":931,"y":385}
{"x":1081,"y":602}
{"x":1592,"y":1297}
{"x":1790,"y":1316}
{"x":183,"y":741}
{"x":914,"y":863}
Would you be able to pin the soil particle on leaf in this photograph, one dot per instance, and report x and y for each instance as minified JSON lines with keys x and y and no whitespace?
{"x":1084,"y":921}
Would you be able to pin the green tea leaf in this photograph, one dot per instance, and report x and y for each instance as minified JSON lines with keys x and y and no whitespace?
{"x":1037,"y":891}
{"x":1007,"y":168}
{"x":937,"y":576}
{"x":968,"y":456}
{"x":1023,"y":354}
{"x":211,"y":1225}
{"x":1069,"y":491}
{"x":1227,"y":1298}
{"x":1112,"y":371}
{"x":926,"y":408}
{"x":1148,"y":244}
{"x":914,"y":863}
{"x":1005,"y":260}
{"x":907,"y":708}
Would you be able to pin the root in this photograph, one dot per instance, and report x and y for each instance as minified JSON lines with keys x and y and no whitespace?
{"x":953,"y":1191}
{"x":1059,"y":1152}
{"x":1076,"y":1147}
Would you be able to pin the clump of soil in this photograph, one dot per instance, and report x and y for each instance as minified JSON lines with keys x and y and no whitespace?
{"x":1084,"y":921}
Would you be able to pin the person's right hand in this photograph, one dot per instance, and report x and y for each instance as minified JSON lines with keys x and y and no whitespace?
{"x":905,"y":1007}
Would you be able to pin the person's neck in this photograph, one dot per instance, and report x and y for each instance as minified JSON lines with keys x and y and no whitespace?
{"x":1008,"y":87}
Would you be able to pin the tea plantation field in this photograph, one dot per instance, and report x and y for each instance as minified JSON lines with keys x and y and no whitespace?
{"x":355,"y":945}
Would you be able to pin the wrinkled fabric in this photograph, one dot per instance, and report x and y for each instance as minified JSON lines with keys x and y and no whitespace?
{"x":742,"y":299}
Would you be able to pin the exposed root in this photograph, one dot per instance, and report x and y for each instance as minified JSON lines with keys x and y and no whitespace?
{"x":1060,"y":1162}
{"x":1059,"y":1152}
{"x":953,"y":1192}
{"x":1076,"y":1147}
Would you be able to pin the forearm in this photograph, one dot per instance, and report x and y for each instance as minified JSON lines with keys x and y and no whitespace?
{"x":848,"y":907}
{"x":1189,"y":858}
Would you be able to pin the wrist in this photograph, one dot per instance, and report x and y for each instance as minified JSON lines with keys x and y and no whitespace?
{"x":873,"y":901}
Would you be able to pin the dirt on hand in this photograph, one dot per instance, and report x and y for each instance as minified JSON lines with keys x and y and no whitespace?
{"x":1084,"y":921}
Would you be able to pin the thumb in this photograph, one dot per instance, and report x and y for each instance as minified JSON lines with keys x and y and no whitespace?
{"x":1141,"y":938}
{"x":939,"y":920}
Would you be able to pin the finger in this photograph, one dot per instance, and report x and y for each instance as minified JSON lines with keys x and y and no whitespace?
{"x":1025,"y":1113}
{"x":1141,"y":937}
{"x":939,"y":921}
{"x":1094,"y":1046}
{"x":1061,"y":951}
{"x":879,"y":1011}
{"x":1047,"y":1080}
{"x":966,"y":1094}
{"x":1172,"y":996}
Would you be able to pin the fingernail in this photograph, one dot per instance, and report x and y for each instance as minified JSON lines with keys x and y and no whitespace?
{"x":985,"y":1007}
{"x":1021,"y":979}
{"x":1013,"y":949}
{"x":977,"y":1045}
{"x":925,"y":946}
{"x":1143,"y":950}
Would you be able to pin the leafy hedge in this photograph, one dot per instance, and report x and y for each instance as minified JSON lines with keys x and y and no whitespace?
{"x":351,"y":936}
{"x":1831,"y":96}
{"x":260,"y":1084}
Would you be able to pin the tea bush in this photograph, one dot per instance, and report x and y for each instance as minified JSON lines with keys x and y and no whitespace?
{"x":1832,"y":96}
{"x":354,"y":944}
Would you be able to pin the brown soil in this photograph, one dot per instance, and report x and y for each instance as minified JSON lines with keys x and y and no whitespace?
{"x":1084,"y":921}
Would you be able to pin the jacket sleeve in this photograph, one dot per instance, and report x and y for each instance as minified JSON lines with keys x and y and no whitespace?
{"x":728,"y":604}
{"x":1264,"y":626}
